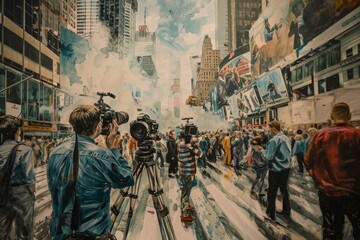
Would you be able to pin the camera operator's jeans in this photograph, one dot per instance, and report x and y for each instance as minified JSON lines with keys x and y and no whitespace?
{"x":188,"y":182}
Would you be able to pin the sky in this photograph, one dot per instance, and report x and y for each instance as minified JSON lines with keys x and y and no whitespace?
{"x":180,"y":27}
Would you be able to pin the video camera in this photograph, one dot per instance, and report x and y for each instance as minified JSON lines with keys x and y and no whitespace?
{"x":189,"y":130}
{"x":144,"y":128}
{"x":107,"y":115}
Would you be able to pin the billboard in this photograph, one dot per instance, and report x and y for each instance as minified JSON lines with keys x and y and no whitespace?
{"x":286,"y":26}
{"x":248,"y":100}
{"x":234,"y":74}
{"x":271,"y":87}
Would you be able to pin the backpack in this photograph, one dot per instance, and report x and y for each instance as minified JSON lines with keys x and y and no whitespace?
{"x":258,"y":160}
{"x":5,"y":176}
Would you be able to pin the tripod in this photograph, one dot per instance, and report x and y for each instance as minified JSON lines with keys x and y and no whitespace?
{"x":144,"y":158}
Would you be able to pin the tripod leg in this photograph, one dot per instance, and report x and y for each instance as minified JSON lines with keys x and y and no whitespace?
{"x":115,"y":209}
{"x":166,"y":228}
{"x":133,"y":195}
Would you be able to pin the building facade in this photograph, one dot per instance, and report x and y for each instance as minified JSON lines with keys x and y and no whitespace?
{"x":68,"y":14}
{"x":29,"y":68}
{"x":195,"y":63}
{"x":222,"y":27}
{"x":207,"y":76}
{"x":242,"y":14}
{"x":131,"y":7}
{"x":87,"y":17}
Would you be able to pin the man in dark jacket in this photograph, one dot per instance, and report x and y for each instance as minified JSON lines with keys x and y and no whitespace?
{"x":333,"y":160}
{"x":171,"y":156}
{"x":19,"y":209}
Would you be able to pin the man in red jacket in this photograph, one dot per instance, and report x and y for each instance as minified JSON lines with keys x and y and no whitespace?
{"x":333,"y":160}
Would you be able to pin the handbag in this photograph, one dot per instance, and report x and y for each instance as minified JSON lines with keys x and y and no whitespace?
{"x":5,"y":176}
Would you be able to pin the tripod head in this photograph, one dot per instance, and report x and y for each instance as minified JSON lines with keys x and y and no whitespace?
{"x":145,"y":152}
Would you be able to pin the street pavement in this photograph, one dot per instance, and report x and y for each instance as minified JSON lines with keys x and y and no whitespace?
{"x":222,"y":203}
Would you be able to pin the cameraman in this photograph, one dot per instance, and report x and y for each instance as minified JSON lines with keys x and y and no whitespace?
{"x":81,"y":201}
{"x":187,"y":152}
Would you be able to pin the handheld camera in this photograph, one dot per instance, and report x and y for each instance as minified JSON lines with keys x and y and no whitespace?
{"x":107,"y":114}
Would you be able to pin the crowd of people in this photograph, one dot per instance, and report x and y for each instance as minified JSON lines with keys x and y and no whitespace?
{"x":83,"y":168}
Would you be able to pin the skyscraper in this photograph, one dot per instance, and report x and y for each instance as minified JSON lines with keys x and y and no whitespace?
{"x":195,"y":63}
{"x":210,"y":60}
{"x":234,"y":19}
{"x":131,"y":7}
{"x":68,"y":14}
{"x":87,"y":17}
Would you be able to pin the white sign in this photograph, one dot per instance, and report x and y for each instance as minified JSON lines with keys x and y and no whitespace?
{"x":13,"y":109}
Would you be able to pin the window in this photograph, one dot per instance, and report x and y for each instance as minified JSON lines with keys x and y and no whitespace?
{"x":14,"y":93}
{"x":48,"y":104}
{"x":329,"y":83}
{"x":350,"y":74}
{"x":2,"y":94}
{"x":13,"y":40}
{"x":33,"y":100}
{"x":321,"y":63}
{"x":299,"y":74}
{"x":308,"y":69}
{"x":31,"y":52}
{"x":349,"y":52}
{"x":46,"y":62}
{"x":334,"y":56}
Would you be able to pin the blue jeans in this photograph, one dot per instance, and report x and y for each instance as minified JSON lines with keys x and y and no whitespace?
{"x":238,"y":156}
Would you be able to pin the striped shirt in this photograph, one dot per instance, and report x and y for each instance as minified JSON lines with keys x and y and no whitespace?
{"x":187,"y":159}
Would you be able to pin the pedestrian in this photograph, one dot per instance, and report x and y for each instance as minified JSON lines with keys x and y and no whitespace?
{"x":132,"y":146}
{"x":81,"y":175}
{"x":227,"y":149}
{"x":160,"y":149}
{"x":203,"y":145}
{"x":258,"y":162}
{"x":333,"y":160}
{"x":171,"y":155}
{"x":18,"y":203}
{"x":278,"y":155}
{"x":187,"y":153}
{"x":299,"y":151}
{"x":238,"y":151}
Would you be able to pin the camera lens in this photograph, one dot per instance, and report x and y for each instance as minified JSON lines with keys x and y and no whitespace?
{"x":121,"y":117}
{"x":139,"y":130}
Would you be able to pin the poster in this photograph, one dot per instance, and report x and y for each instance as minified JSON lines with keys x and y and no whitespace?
{"x":272,"y":87}
{"x":249,"y":99}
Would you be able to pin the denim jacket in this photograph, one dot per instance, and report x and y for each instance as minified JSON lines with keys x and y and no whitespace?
{"x":100,"y":169}
{"x":23,"y":170}
{"x":278,"y":152}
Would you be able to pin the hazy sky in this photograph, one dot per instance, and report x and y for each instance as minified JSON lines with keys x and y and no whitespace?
{"x":180,"y":27}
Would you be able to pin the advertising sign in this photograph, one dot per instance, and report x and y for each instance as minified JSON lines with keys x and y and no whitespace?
{"x":249,"y":99}
{"x":272,"y":87}
{"x":234,"y":73}
{"x":286,"y":26}
{"x":13,"y":109}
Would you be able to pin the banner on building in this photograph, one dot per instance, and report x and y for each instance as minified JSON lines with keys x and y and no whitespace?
{"x":271,"y":87}
{"x":288,"y":25}
{"x":323,"y":108}
{"x":234,"y":73}
{"x":302,"y":112}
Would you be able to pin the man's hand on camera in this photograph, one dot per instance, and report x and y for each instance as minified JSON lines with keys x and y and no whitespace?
{"x":110,"y":139}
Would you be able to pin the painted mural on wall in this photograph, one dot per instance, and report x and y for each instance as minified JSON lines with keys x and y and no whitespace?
{"x":286,"y":26}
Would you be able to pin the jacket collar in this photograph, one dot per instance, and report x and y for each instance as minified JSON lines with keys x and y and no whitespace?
{"x":83,"y":138}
